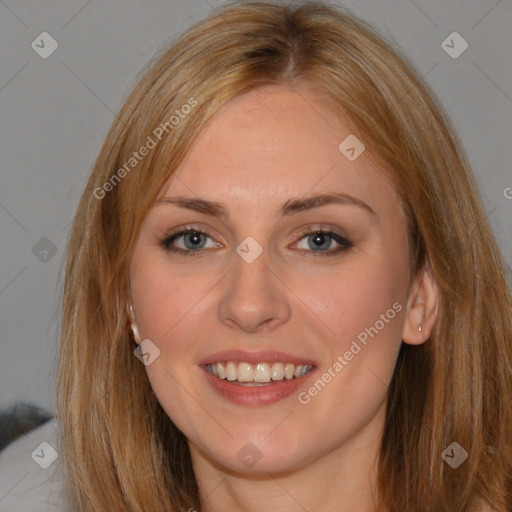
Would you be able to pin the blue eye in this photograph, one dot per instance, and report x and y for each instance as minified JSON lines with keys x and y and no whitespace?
{"x":319,"y":242}
{"x":193,"y":240}
{"x":322,"y":240}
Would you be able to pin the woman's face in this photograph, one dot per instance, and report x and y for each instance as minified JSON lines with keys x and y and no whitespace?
{"x":259,"y":301}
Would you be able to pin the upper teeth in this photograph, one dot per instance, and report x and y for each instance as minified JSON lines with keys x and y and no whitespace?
{"x":261,"y":372}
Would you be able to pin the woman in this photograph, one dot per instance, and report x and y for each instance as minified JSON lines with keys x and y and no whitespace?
{"x":281,"y":287}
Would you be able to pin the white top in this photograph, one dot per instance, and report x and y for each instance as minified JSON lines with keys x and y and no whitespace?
{"x":30,"y":472}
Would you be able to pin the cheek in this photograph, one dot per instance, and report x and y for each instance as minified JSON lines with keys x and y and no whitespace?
{"x":363,"y":307}
{"x":356,"y":296}
{"x":170,"y":307}
{"x":160,"y":296}
{"x":164,"y":301}
{"x":153,"y":293}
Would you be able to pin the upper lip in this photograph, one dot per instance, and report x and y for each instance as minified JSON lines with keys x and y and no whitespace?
{"x":265,"y":356}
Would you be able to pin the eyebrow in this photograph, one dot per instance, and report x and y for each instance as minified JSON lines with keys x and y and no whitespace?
{"x":290,"y":207}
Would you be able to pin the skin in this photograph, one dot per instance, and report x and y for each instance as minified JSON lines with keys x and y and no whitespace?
{"x":262,"y":149}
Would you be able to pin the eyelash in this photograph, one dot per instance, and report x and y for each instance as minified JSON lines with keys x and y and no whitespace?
{"x":345,"y":243}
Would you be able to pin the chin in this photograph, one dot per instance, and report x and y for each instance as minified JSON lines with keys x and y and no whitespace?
{"x":248,"y":453}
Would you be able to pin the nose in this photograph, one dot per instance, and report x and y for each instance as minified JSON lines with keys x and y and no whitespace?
{"x":253,"y":298}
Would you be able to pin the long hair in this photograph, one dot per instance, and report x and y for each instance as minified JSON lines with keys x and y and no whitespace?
{"x":120,"y":450}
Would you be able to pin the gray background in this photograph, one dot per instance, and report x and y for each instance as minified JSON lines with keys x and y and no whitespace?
{"x":56,"y":111}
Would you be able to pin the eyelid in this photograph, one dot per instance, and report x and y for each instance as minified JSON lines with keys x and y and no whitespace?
{"x":178,"y":232}
{"x":343,"y":241}
{"x":188,"y":228}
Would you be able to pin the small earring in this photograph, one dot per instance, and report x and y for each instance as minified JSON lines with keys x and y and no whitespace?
{"x":135,"y":331}
{"x":419,"y":328}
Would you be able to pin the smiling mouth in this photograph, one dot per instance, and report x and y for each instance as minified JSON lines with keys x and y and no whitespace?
{"x":260,"y":374}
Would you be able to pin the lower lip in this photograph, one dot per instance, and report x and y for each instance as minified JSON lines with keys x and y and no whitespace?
{"x":255,"y":395}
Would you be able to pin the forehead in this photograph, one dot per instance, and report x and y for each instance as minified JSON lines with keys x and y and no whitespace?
{"x":271,"y":144}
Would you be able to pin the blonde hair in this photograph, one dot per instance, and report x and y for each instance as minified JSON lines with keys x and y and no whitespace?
{"x":120,"y":450}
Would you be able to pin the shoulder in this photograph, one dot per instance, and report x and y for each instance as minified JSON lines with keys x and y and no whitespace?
{"x":31,"y":478}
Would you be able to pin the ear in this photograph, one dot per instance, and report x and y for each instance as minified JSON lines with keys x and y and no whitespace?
{"x":133,"y":325}
{"x":422,"y":307}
